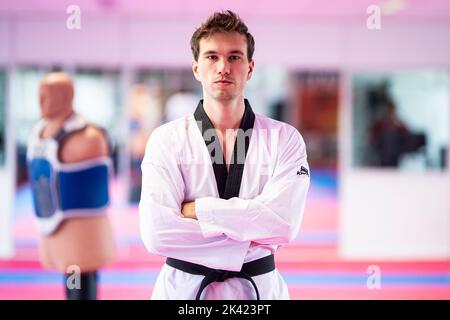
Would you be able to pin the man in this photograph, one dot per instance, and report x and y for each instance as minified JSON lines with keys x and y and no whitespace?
{"x":224,"y":188}
{"x":69,"y":166}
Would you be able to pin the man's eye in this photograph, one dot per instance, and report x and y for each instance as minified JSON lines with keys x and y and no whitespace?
{"x":235,"y":58}
{"x":211,"y":57}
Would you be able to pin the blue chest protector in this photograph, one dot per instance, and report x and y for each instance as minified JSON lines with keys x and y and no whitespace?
{"x":64,"y":190}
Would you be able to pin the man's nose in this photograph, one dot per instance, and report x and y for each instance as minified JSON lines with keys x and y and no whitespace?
{"x":223,"y":67}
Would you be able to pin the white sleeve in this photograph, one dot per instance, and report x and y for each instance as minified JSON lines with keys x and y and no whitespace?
{"x":274,"y":216}
{"x":163,"y":228}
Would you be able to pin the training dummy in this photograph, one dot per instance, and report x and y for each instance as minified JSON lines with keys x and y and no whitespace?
{"x":69,"y":168}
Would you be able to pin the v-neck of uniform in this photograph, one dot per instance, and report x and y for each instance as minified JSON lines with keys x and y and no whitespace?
{"x":228,"y":183}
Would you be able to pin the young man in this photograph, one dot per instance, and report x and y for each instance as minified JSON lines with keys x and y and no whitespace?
{"x":222,"y":189}
{"x":69,"y":166}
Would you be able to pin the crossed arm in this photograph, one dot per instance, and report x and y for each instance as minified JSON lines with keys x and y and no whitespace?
{"x":168,"y":224}
{"x":273,"y":217}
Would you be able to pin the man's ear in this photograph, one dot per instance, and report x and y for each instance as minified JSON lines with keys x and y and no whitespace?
{"x":195,"y":70}
{"x":251,"y":66}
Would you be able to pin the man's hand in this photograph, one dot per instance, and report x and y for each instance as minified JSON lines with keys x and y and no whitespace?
{"x":188,"y":210}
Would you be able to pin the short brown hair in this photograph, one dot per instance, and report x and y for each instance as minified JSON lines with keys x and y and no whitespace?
{"x":225,"y":21}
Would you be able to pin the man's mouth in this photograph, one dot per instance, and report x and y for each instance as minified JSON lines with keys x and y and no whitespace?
{"x":223,"y":82}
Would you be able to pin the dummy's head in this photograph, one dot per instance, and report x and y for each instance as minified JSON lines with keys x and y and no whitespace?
{"x":56,"y":95}
{"x":222,"y":22}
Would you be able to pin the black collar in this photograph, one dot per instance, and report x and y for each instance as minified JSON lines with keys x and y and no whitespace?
{"x":228,"y":184}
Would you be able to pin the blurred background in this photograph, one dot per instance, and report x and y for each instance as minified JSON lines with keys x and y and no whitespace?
{"x":372,"y":104}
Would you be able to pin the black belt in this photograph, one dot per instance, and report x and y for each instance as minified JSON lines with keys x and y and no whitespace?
{"x":249,"y":270}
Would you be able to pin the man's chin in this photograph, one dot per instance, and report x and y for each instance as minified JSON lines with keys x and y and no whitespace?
{"x":224,"y":96}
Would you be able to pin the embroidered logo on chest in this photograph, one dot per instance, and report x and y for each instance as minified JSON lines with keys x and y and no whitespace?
{"x":303,"y":171}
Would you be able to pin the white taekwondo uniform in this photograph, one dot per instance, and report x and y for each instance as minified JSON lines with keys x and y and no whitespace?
{"x":184,"y":162}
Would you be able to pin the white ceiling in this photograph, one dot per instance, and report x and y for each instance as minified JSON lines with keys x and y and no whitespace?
{"x":273,"y":9}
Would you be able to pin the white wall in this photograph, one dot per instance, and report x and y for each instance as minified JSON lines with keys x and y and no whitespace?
{"x":110,"y":41}
{"x":392,"y":215}
{"x":5,"y":33}
{"x":49,"y":41}
{"x":397,"y":45}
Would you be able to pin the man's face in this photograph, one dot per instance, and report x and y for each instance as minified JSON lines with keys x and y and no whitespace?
{"x":223,"y":67}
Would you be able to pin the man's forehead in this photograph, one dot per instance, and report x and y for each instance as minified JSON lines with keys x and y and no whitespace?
{"x":224,"y":42}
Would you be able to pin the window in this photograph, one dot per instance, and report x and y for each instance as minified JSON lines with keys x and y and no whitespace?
{"x":401,"y":119}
